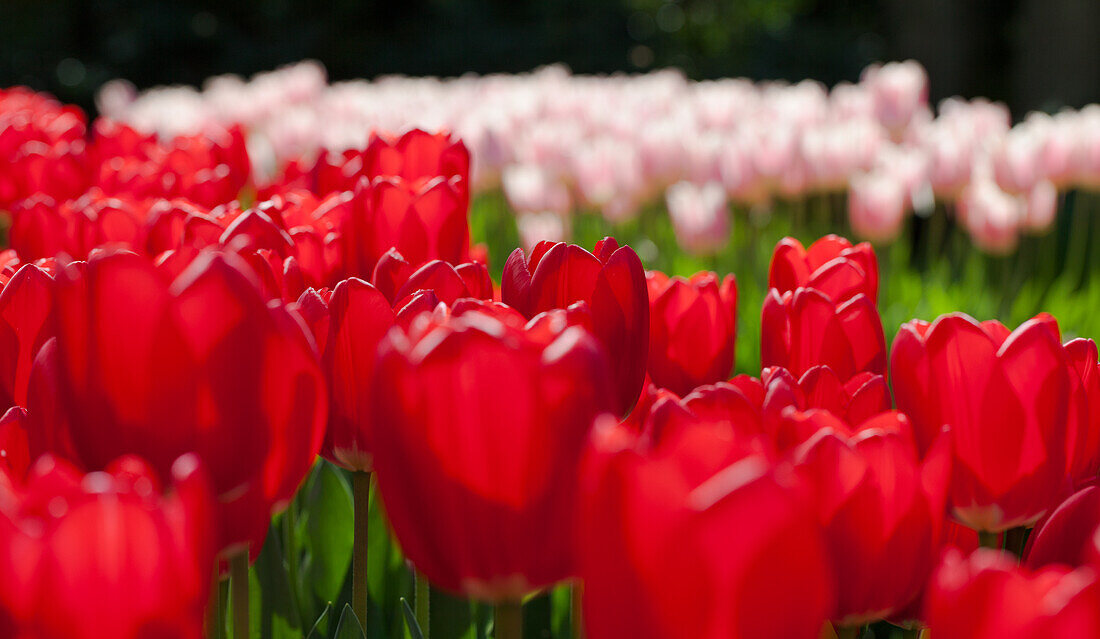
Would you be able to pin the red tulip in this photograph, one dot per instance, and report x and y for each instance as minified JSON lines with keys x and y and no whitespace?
{"x":209,"y":168}
{"x":611,"y":282}
{"x":477,"y":437}
{"x":104,"y":554}
{"x":422,"y":220}
{"x":692,"y":329}
{"x":882,"y":509}
{"x":1083,"y":436}
{"x":26,"y":322}
{"x":417,"y":155}
{"x":42,"y":147}
{"x":414,"y":156}
{"x":831,"y":265}
{"x":165,"y":224}
{"x":294,"y":225}
{"x":150,"y":366}
{"x":357,"y":315}
{"x":42,"y":228}
{"x":807,"y":328}
{"x":1066,"y":535}
{"x":398,"y":279}
{"x":986,"y":596}
{"x":758,"y":406}
{"x":359,"y":318}
{"x":733,"y":405}
{"x":952,"y":535}
{"x":1006,"y":398}
{"x":312,"y":308}
{"x":254,"y":230}
{"x":650,"y":395}
{"x":737,"y":401}
{"x":688,"y":531}
{"x":10,"y":262}
{"x":38,"y":229}
{"x":853,"y":401}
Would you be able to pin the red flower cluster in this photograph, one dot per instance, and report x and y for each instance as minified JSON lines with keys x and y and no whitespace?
{"x":105,"y":554}
{"x":42,"y":147}
{"x":155,"y":334}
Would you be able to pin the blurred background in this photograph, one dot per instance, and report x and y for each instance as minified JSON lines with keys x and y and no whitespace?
{"x":1031,"y":54}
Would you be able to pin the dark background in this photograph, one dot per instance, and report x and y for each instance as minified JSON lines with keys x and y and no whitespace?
{"x":1033,"y":54}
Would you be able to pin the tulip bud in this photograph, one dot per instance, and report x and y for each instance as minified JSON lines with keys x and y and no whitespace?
{"x":831,"y":265}
{"x":692,"y":329}
{"x":26,"y":322}
{"x":611,"y":282}
{"x":807,"y":328}
{"x":700,"y":216}
{"x":877,"y":205}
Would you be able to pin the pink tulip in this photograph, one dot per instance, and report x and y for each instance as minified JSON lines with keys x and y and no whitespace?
{"x":877,"y":205}
{"x":700,"y":216}
{"x":899,"y":90}
{"x":992,"y":216}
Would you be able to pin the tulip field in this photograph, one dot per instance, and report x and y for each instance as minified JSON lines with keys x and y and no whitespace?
{"x":545,"y":356}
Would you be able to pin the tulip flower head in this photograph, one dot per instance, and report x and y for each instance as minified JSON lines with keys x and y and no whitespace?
{"x":1066,"y":536}
{"x":150,"y":365}
{"x":986,"y":596}
{"x":105,"y":554}
{"x":692,"y":328}
{"x":612,"y":284}
{"x":807,"y":328}
{"x":477,"y":436}
{"x":1006,"y":396}
{"x":881,"y":506}
{"x":831,"y":265}
{"x":665,"y":550}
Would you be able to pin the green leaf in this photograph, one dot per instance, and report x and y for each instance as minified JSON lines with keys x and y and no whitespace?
{"x":452,"y":617}
{"x":536,"y":617}
{"x":349,"y":626}
{"x":320,"y":627}
{"x":410,"y":620}
{"x":388,"y":575}
{"x":329,"y":532}
{"x":256,"y":613}
{"x":561,"y":600}
{"x":279,"y":617}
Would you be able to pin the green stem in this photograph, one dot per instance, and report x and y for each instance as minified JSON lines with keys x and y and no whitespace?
{"x":1078,"y":243}
{"x":508,"y":620}
{"x":238,"y":582}
{"x":936,"y":232}
{"x":988,"y":540}
{"x":360,"y":488}
{"x":847,"y":632}
{"x":214,"y":611}
{"x":1015,"y":540}
{"x":423,"y":603}
{"x":1094,"y":234}
{"x":290,"y":550}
